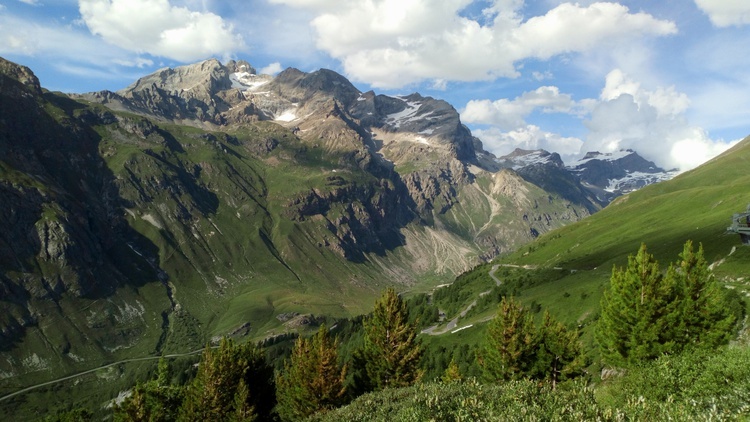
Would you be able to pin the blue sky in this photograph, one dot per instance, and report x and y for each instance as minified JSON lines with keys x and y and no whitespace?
{"x":667,"y":78}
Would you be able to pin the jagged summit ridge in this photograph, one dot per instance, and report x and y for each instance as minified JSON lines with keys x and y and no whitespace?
{"x":617,"y":173}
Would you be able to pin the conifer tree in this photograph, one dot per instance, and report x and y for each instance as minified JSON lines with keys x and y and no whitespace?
{"x":645,"y":314}
{"x":559,"y":355}
{"x":312,"y":380}
{"x":512,"y":340}
{"x":232,"y":381}
{"x":705,"y":320}
{"x":391,"y":353}
{"x":515,"y":348}
{"x":639,"y":313}
{"x":154,"y":401}
{"x":452,"y":373}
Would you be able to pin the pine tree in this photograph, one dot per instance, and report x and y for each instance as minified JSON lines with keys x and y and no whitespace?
{"x":312,"y":380}
{"x":223,"y":375}
{"x":559,"y":355}
{"x":391,"y":353}
{"x":705,"y":320}
{"x":452,"y":373}
{"x":511,"y":343}
{"x":153,"y":401}
{"x":645,"y":314}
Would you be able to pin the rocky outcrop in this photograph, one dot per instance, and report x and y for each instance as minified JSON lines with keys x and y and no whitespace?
{"x":360,"y":219}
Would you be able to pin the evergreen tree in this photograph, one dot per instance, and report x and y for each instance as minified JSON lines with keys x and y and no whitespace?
{"x":645,"y":314}
{"x":156,"y":400}
{"x":515,"y":348}
{"x":391,"y":353}
{"x":639,"y":313}
{"x":559,"y":355}
{"x":312,"y":380}
{"x":232,"y":381}
{"x":705,"y":319}
{"x":511,"y":343}
{"x":452,"y":373}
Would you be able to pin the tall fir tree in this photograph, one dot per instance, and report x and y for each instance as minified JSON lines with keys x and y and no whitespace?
{"x":705,"y":319}
{"x":511,"y":342}
{"x":645,"y":314}
{"x":233,"y":382}
{"x":559,"y":355}
{"x":639,"y":313}
{"x":391,"y":353}
{"x":312,"y":380}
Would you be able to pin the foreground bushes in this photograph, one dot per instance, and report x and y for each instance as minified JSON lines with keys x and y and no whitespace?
{"x":470,"y":401}
{"x":695,"y":385}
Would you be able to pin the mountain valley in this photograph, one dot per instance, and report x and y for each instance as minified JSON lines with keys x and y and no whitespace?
{"x":207,"y":201}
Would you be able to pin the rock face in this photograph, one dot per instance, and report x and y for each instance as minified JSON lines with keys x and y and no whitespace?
{"x":62,"y":232}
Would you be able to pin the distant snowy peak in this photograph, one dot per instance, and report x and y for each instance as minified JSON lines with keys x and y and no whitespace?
{"x":521,"y":158}
{"x":618,"y":172}
{"x":607,"y":156}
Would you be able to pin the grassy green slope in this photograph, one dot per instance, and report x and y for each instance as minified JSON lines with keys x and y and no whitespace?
{"x":696,"y":205}
{"x":567,"y":270}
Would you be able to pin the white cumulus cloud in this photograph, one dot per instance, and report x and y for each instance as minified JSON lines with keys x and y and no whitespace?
{"x":529,"y":137}
{"x":511,"y":114}
{"x":158,"y":28}
{"x":271,"y":69}
{"x":723,"y":13}
{"x":651,"y":122}
{"x":393,"y":43}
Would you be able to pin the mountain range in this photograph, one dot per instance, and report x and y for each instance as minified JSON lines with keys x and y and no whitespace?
{"x":208,"y":200}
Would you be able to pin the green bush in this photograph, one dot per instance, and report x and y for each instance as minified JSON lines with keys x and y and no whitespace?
{"x":471,"y":401}
{"x":697,"y":383}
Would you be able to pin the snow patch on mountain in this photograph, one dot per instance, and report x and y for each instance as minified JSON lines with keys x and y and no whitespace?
{"x":607,"y":156}
{"x":533,"y":158}
{"x":638,"y":179}
{"x":247,"y":80}
{"x":409,"y":114}
{"x":287,"y":115}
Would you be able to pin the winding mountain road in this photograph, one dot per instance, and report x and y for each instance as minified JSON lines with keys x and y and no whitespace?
{"x":33,"y":387}
{"x":451,"y":325}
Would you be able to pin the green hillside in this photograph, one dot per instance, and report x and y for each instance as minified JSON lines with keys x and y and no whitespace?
{"x":696,"y":205}
{"x":567,"y":270}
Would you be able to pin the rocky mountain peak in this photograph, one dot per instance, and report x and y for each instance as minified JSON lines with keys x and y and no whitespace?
{"x":520,"y":158}
{"x":241,"y":66}
{"x":22,"y":74}
{"x":617,"y":173}
{"x":209,"y":76}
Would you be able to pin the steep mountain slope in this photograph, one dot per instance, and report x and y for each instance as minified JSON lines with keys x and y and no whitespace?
{"x":695,"y":205}
{"x":206,"y":200}
{"x":614,"y":174}
{"x":567,"y":270}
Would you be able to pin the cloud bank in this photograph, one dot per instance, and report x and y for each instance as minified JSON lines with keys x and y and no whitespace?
{"x":394,"y":43}
{"x":724,"y":13}
{"x":625,"y":115}
{"x":158,"y":28}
